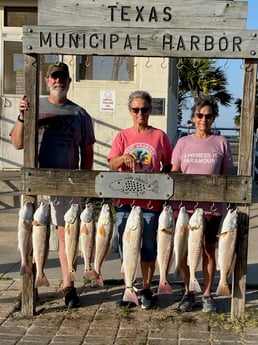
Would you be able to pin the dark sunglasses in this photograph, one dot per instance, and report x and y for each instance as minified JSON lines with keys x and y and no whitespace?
{"x":144,"y":110}
{"x":207,"y":116}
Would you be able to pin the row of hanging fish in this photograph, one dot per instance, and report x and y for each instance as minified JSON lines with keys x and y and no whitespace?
{"x":184,"y":239}
{"x":80,"y":229}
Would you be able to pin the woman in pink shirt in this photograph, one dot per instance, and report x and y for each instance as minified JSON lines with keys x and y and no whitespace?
{"x":141,"y":148}
{"x":202,"y":152}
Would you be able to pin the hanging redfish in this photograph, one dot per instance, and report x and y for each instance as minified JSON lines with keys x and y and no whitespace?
{"x":87,"y":240}
{"x":165,"y":245}
{"x":40,"y":241}
{"x":132,"y":238}
{"x":103,"y":238}
{"x":25,"y":236}
{"x":195,"y":246}
{"x":226,"y":251}
{"x":72,"y":232}
{"x":180,"y":240}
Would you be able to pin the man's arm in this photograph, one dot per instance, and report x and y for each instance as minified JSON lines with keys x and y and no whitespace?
{"x":87,"y":158}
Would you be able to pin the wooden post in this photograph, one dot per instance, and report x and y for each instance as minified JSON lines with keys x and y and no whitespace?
{"x":30,"y":160}
{"x":244,"y":168}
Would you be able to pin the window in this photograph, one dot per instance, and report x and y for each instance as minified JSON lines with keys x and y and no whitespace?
{"x":14,"y":82}
{"x":117,"y":68}
{"x":19,"y":16}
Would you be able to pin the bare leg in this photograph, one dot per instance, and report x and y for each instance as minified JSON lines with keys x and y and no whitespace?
{"x":148,"y":269}
{"x":209,"y":266}
{"x":186,"y":271}
{"x":62,"y":257}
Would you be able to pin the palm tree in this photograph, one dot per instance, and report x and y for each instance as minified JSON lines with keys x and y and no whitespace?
{"x":238,"y":104}
{"x":201,"y":76}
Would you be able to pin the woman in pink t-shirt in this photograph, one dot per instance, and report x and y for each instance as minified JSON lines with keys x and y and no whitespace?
{"x":202,"y":152}
{"x":141,"y":148}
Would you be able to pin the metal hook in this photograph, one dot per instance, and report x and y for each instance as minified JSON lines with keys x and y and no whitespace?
{"x":132,"y":203}
{"x":163,"y":64}
{"x":213,"y":209}
{"x":180,"y":205}
{"x":226,"y":65}
{"x":148,"y":65}
{"x":71,"y":201}
{"x":149,"y":207}
{"x":119,"y":204}
{"x":87,"y":64}
{"x":56,"y":202}
{"x":196,"y":205}
{"x":179,"y":65}
{"x":102,"y":61}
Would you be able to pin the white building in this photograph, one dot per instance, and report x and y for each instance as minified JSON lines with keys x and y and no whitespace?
{"x":99,"y":84}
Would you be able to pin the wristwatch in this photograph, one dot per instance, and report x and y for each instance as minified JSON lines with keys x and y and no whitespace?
{"x":19,"y":118}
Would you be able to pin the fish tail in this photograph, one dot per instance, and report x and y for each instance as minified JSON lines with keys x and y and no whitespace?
{"x":41,"y":281}
{"x":164,"y":288}
{"x":130,"y":296}
{"x":91,"y":274}
{"x":223,"y":289}
{"x":99,"y":280}
{"x":25,"y":269}
{"x":194,"y":285}
{"x":72,"y":275}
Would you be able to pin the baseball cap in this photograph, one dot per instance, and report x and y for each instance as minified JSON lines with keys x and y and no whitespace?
{"x":58,"y":67}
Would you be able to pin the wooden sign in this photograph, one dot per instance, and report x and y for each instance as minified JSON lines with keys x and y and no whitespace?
{"x":186,"y":14}
{"x":146,"y":42}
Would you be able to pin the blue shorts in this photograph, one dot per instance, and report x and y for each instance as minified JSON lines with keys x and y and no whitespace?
{"x":150,"y":227}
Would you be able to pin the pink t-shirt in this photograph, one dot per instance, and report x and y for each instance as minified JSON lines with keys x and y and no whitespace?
{"x":202,"y":156}
{"x":152,"y":150}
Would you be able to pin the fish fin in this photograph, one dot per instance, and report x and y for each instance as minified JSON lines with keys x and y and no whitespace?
{"x":72,"y":275}
{"x":25,"y":269}
{"x":194,"y":285}
{"x":164,"y":288}
{"x":102,"y":231}
{"x":223,"y":289}
{"x":231,"y":269}
{"x":90,"y":274}
{"x":84,"y":229}
{"x":182,"y":230}
{"x":130,"y":296}
{"x":98,"y":281}
{"x":41,"y":281}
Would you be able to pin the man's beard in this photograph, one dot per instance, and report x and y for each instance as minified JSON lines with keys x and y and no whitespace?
{"x":58,"y":93}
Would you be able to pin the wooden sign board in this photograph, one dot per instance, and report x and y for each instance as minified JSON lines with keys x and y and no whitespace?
{"x":145,"y":42}
{"x":186,"y":14}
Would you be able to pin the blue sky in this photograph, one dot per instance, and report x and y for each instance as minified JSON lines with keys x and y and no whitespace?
{"x":234,"y":73}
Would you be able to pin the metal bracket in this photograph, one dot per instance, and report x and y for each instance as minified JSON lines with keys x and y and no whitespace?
{"x":134,"y":185}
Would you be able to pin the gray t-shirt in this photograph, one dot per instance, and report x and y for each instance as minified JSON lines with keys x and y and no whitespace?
{"x":64,"y":130}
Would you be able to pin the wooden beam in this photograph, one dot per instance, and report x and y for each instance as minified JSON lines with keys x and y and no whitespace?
{"x":160,"y":42}
{"x":215,"y":188}
{"x":244,"y":168}
{"x":30,"y":161}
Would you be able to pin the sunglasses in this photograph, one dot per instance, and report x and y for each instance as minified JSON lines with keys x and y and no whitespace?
{"x":206,"y":116}
{"x":144,"y":110}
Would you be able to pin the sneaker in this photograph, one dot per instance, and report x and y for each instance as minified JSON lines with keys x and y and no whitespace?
{"x":208,"y":304}
{"x":146,"y":298}
{"x":18,"y":301}
{"x":71,"y":298}
{"x":187,"y":303}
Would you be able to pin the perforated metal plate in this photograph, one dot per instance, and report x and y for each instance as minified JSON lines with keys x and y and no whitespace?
{"x":134,"y":185}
